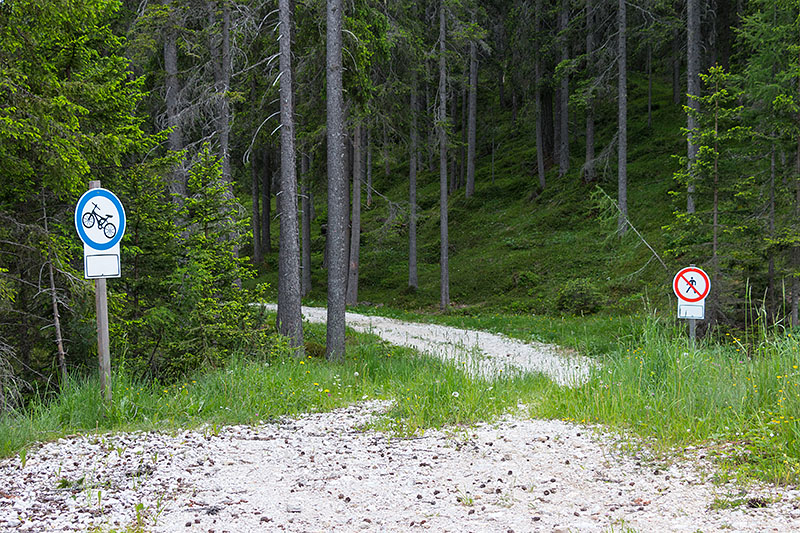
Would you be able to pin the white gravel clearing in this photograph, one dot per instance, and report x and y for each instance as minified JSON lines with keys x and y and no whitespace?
{"x":324,"y":473}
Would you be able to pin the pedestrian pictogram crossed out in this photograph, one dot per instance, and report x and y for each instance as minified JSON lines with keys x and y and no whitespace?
{"x":691,"y":285}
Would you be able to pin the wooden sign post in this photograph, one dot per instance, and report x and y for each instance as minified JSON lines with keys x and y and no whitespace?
{"x":103,"y":342}
{"x":100,"y":221}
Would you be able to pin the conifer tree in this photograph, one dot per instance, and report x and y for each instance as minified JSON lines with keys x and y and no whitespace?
{"x":441,"y":125}
{"x":771,"y":78}
{"x":622,"y":118}
{"x":719,"y":234}
{"x":290,"y":318}
{"x":337,"y":185}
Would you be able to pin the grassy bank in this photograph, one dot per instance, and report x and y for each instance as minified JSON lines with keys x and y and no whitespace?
{"x":738,"y":395}
{"x":591,"y":335}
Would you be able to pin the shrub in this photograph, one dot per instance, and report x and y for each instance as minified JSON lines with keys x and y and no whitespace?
{"x":579,"y":296}
{"x":526,"y":279}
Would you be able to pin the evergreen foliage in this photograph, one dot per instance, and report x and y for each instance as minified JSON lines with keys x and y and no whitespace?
{"x":184,"y":306}
{"x":579,"y":296}
{"x":68,"y":114}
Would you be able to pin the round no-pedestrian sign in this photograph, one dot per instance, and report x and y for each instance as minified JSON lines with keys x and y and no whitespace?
{"x":691,"y":285}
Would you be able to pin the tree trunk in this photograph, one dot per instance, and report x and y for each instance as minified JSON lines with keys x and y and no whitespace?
{"x":337,"y":186}
{"x":715,"y":272}
{"x":452,"y":159}
{"x":649,"y":85}
{"x":501,"y":85}
{"x":433,"y":132}
{"x":726,"y":22}
{"x":225,"y":115}
{"x":355,"y":223}
{"x":369,"y":167}
{"x":563,"y":152}
{"x":588,"y":168}
{"x":258,"y":254}
{"x":462,"y":150}
{"x":413,"y":282}
{"x":472,"y":117}
{"x":514,"y":106}
{"x":290,"y":318}
{"x":556,"y":110}
{"x":548,"y":126}
{"x":385,"y":150}
{"x":348,"y":162}
{"x":266,"y":201}
{"x":177,"y":182}
{"x":494,"y":144}
{"x":306,"y":208}
{"x":348,"y":172}
{"x":221,"y":58}
{"x":796,"y":249}
{"x":24,"y":342}
{"x":622,"y":122}
{"x":444,"y":271}
{"x":693,"y":88}
{"x":795,"y":258}
{"x":420,"y":153}
{"x":61,"y":354}
{"x":771,"y":305}
{"x":676,"y":67}
{"x":537,"y":91}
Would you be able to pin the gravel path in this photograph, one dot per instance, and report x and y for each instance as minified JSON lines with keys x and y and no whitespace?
{"x":324,"y":473}
{"x":483,"y":353}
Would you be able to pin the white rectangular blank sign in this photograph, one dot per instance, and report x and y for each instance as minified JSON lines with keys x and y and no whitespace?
{"x":101,"y":266}
{"x":692,"y":311}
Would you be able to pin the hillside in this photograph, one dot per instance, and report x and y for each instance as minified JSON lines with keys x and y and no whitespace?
{"x":513,"y":247}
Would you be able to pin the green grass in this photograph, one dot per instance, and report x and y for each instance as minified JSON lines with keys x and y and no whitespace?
{"x":742,"y":400}
{"x":739,"y":396}
{"x":592,"y":335}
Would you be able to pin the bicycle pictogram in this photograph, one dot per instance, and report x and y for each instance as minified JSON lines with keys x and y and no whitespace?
{"x":88,"y":220}
{"x":100,"y":220}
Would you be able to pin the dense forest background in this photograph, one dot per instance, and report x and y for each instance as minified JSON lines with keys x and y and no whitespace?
{"x":518,"y":156}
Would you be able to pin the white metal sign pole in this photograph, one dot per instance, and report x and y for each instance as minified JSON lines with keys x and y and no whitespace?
{"x":103,"y":348}
{"x":692,"y":325}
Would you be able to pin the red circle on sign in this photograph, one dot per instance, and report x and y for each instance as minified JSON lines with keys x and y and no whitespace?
{"x":692,"y":293}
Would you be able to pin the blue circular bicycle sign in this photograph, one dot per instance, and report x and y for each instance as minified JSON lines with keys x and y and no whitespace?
{"x":100,"y":219}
